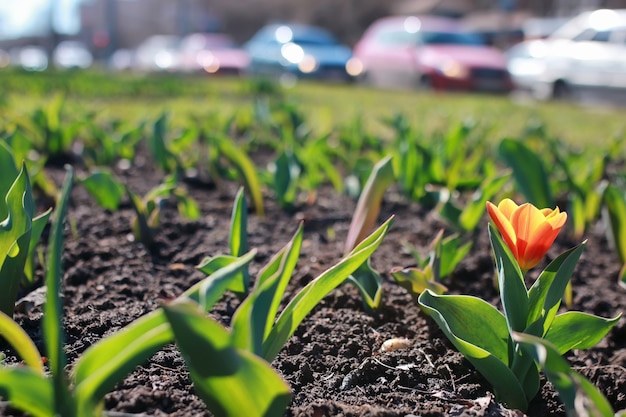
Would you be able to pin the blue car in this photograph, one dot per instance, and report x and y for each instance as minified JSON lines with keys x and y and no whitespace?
{"x":302,"y":51}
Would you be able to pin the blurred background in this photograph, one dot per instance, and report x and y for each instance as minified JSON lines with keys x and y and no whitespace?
{"x":329,"y":39}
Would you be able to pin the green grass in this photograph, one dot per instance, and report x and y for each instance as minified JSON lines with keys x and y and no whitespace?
{"x":326,"y":106}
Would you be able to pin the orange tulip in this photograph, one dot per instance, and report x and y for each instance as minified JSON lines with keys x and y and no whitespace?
{"x":528,"y":231}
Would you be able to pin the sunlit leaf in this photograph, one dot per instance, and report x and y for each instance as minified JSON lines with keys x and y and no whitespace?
{"x":231,"y":382}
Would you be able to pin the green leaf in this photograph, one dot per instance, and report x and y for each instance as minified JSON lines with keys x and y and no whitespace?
{"x":231,"y":382}
{"x":239,"y":286}
{"x":529,"y":172}
{"x":106,"y":363}
{"x":615,"y":202}
{"x":15,"y":234}
{"x":53,"y":308}
{"x":38,"y":224}
{"x":238,"y":238}
{"x":157,"y":146}
{"x":546,"y":293}
{"x":577,"y":330}
{"x":475,"y":208}
{"x":451,"y":255}
{"x":140,"y":223}
{"x":227,"y":276}
{"x":21,"y":343}
{"x":254,"y":318}
{"x":368,"y":207}
{"x":27,"y":390}
{"x":416,"y":281}
{"x":369,"y":283}
{"x":510,"y":282}
{"x":247,"y":171}
{"x":580,"y":397}
{"x":8,"y":172}
{"x":480,"y":333}
{"x":105,"y":189}
{"x":309,"y":296}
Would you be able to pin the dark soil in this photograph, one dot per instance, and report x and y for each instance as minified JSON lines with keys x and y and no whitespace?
{"x":333,"y":363}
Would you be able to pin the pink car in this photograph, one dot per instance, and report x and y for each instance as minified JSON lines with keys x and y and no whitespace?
{"x":213,"y":53}
{"x":429,"y":51}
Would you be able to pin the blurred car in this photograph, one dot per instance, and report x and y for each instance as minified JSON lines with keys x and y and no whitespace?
{"x":30,"y":58}
{"x":432,"y":52}
{"x":157,"y":53}
{"x":586,"y":56}
{"x":72,"y":54}
{"x":215,"y":53}
{"x":300,"y":51}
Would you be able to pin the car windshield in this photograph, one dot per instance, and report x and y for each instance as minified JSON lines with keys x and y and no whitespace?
{"x":314,"y":40}
{"x":451,"y":38}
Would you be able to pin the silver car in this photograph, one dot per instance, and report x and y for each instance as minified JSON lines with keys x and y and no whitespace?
{"x":584,"y":58}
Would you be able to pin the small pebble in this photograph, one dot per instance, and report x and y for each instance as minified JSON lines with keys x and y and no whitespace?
{"x":397,"y":343}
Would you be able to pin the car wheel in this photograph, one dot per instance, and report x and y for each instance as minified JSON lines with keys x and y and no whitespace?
{"x":561,"y":91}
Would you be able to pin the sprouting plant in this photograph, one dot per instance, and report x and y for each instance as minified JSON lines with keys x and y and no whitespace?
{"x":108,"y":192}
{"x":430,"y":272}
{"x":529,"y":172}
{"x":230,"y":366}
{"x":238,"y":242}
{"x":48,"y":131}
{"x":509,"y":349}
{"x":224,"y":150}
{"x":234,"y":379}
{"x":467,"y":218}
{"x":615,"y":215}
{"x":148,"y":209}
{"x":111,"y":142}
{"x":20,"y":231}
{"x":366,"y":278}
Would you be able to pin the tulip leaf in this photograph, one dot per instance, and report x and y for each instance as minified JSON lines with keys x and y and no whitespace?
{"x":529,"y":172}
{"x":246,"y":170}
{"x":578,"y":330}
{"x":513,"y":291}
{"x":21,"y":343}
{"x":15,"y":236}
{"x":615,"y":202}
{"x":238,"y":238}
{"x":27,"y":390}
{"x":416,"y":281}
{"x":546,"y":293}
{"x":369,"y":283}
{"x":480,"y":332}
{"x":53,"y":308}
{"x":253,"y":320}
{"x":368,"y":206}
{"x":231,"y":382}
{"x":473,"y":211}
{"x":8,"y":173}
{"x":105,"y":363}
{"x":309,"y":296}
{"x":105,"y":189}
{"x":577,"y":393}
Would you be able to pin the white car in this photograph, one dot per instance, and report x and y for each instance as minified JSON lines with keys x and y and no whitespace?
{"x":585,"y":57}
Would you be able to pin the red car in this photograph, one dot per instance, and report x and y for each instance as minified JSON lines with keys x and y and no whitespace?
{"x":429,"y":51}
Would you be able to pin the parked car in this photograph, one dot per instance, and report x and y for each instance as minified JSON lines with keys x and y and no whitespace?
{"x":429,"y":51}
{"x":299,"y":50}
{"x":157,"y":53}
{"x":72,"y":54}
{"x":212,"y":53}
{"x":30,"y":57}
{"x":585,"y":57}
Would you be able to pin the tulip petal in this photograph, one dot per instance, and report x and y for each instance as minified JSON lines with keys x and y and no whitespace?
{"x":541,"y":240}
{"x":507,"y":207}
{"x":504,"y":225}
